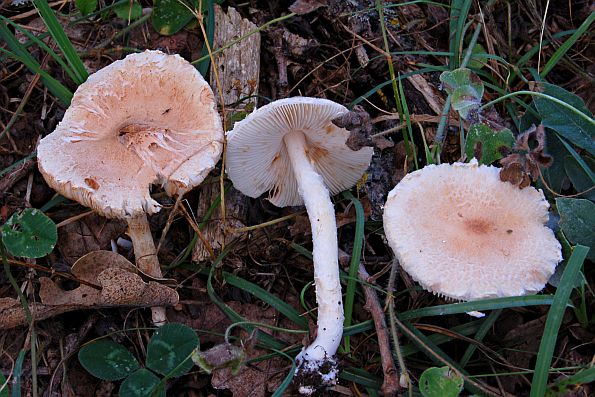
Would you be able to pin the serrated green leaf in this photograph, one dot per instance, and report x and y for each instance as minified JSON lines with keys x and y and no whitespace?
{"x":577,"y":221}
{"x":29,"y":234}
{"x":566,"y":123}
{"x":86,"y":6}
{"x":128,"y":11}
{"x":141,"y":384}
{"x":486,"y":143}
{"x":169,"y":349}
{"x":440,"y":382}
{"x":169,"y":16}
{"x":107,"y":360}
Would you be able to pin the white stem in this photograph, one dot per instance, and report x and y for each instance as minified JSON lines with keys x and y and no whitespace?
{"x":324,"y":238}
{"x":145,"y":256}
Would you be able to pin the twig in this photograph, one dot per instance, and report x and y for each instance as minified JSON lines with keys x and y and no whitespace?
{"x":390,"y":385}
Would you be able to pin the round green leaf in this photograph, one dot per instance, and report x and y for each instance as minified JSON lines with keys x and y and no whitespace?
{"x":141,"y":384}
{"x":86,"y":6}
{"x":577,"y":221}
{"x":485,"y":144}
{"x":29,"y":234}
{"x":107,"y":360}
{"x":170,"y":347}
{"x":127,"y":11}
{"x":169,"y":16}
{"x":440,"y":382}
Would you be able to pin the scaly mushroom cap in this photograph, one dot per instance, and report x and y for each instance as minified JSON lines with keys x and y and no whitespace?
{"x":257,"y":159}
{"x":147,"y":119}
{"x":462,"y":233}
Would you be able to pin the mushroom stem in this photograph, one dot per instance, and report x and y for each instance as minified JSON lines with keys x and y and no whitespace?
{"x":325,"y":252}
{"x":145,"y":255}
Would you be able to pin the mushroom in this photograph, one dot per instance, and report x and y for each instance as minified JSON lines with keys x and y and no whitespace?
{"x":462,"y":233}
{"x":291,"y":149}
{"x":147,"y":119}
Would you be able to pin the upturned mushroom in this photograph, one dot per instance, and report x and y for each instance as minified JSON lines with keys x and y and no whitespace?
{"x":291,"y":149}
{"x":147,"y":119}
{"x":464,"y":234}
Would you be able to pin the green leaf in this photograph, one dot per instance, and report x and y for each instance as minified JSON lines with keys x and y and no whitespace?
{"x":29,"y":234}
{"x":484,"y":143}
{"x":440,"y":382}
{"x":465,"y":89}
{"x":107,"y":360}
{"x":127,"y":11}
{"x":477,"y":57}
{"x":580,"y":179}
{"x":577,"y":221}
{"x":169,"y":350}
{"x":554,"y":319}
{"x":86,"y":6}
{"x":141,"y":384}
{"x":169,"y":16}
{"x":3,"y":386}
{"x":576,"y":129}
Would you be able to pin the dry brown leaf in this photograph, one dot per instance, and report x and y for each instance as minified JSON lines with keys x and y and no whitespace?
{"x":120,"y":286}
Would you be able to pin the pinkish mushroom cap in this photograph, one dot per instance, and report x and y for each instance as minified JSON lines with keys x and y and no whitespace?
{"x":462,"y":233}
{"x":147,"y":119}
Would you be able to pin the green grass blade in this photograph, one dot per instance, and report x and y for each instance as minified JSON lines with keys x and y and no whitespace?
{"x":203,"y":66}
{"x":18,"y":373}
{"x":263,"y":337}
{"x":481,"y":333}
{"x":479,"y":305}
{"x":287,"y":381}
{"x":358,"y":242}
{"x":272,"y":300}
{"x":554,"y":319}
{"x":43,"y":46}
{"x":55,"y":29}
{"x":56,"y":88}
{"x":459,"y":10}
{"x":560,"y":52}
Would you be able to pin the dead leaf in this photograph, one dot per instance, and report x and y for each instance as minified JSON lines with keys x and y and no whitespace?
{"x":120,"y":286}
{"x":358,"y":123}
{"x":527,"y":156}
{"x":302,"y":7}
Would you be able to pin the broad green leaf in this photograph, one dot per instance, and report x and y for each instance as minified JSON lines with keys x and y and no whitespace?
{"x":440,"y":382}
{"x":577,"y":221}
{"x":566,"y":123}
{"x":128,"y":11}
{"x":581,"y":181}
{"x":29,"y":234}
{"x":485,"y":144}
{"x":86,"y":6}
{"x":555,"y":174}
{"x":169,"y":349}
{"x":141,"y":384}
{"x":3,"y":386}
{"x":476,"y":61}
{"x":169,"y":16}
{"x":465,"y":89}
{"x":107,"y":360}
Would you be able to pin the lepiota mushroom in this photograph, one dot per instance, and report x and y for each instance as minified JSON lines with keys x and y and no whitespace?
{"x":147,"y":119}
{"x":462,"y":233}
{"x":291,"y":149}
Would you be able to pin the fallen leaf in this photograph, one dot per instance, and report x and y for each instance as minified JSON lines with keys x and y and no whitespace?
{"x":302,"y":7}
{"x":118,"y":282}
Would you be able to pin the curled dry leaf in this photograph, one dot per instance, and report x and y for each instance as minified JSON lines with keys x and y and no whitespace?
{"x":522,"y":165}
{"x":360,"y":128}
{"x":118,"y":283}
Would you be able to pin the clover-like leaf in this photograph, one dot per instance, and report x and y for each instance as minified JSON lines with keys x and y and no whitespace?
{"x":487,"y":145}
{"x":86,"y":6}
{"x":29,"y":234}
{"x":440,"y":382}
{"x":107,"y":360}
{"x":168,"y":352}
{"x":577,"y":221}
{"x":129,"y":11}
{"x":465,"y":89}
{"x":141,"y":383}
{"x":169,"y":16}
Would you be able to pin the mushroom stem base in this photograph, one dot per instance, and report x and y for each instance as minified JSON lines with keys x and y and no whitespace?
{"x":315,"y":375}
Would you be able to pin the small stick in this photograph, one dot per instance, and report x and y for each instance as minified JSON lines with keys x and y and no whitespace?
{"x":390,"y":385}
